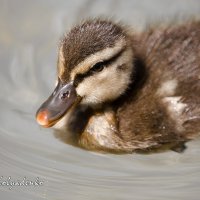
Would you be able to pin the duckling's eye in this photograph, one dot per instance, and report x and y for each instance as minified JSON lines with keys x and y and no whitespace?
{"x":98,"y":67}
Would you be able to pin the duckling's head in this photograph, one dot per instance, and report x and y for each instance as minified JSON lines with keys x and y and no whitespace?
{"x":95,"y":63}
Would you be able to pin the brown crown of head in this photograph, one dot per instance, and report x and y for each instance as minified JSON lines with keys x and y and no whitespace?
{"x":86,"y":39}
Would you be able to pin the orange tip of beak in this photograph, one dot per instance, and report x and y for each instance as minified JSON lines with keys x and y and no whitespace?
{"x":42,"y":118}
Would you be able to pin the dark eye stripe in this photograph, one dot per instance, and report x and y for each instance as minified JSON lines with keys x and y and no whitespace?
{"x":98,"y":67}
{"x":80,"y":77}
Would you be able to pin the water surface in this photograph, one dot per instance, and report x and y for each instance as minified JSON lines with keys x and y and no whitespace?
{"x":29,"y":34}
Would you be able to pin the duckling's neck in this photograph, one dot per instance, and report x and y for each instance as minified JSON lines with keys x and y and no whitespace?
{"x":138,"y":78}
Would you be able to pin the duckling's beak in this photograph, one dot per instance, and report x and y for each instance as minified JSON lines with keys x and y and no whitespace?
{"x":60,"y":101}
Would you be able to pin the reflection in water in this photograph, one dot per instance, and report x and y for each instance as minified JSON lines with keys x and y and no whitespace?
{"x":28,"y":38}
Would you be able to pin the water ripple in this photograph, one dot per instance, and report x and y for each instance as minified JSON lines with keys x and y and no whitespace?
{"x":28,"y":58}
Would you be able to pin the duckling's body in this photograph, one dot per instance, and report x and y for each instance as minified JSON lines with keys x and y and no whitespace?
{"x":169,"y":97}
{"x":157,"y":78}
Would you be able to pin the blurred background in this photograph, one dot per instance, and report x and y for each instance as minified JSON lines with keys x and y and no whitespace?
{"x":29,"y":35}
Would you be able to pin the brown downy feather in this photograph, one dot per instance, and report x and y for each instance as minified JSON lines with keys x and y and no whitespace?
{"x":165,"y":54}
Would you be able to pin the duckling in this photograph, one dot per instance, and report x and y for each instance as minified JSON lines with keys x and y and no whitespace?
{"x":125,"y":92}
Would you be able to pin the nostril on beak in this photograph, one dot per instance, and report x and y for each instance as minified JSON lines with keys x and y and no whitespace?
{"x":65,"y":95}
